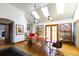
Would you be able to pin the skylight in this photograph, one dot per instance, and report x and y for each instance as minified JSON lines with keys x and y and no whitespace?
{"x":45,"y":11}
{"x":34,"y":13}
{"x":60,"y":8}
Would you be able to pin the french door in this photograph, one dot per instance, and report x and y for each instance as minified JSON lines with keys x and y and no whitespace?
{"x":51,"y":33}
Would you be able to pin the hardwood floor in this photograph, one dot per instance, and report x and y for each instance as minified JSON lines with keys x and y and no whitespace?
{"x":4,"y":46}
{"x":2,"y":41}
{"x":34,"y":50}
{"x":69,"y":50}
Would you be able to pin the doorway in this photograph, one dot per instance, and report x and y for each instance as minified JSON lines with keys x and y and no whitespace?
{"x":2,"y":32}
{"x":6,"y":31}
{"x":9,"y":33}
{"x":51,"y":33}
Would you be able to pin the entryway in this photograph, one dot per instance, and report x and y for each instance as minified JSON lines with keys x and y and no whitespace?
{"x":6,"y":31}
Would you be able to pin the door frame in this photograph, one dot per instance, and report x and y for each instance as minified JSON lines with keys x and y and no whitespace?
{"x":10,"y":40}
{"x":51,"y":31}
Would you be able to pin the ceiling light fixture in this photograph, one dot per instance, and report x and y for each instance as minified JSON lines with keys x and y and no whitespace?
{"x":34,"y":13}
{"x":45,"y":11}
{"x":60,"y":8}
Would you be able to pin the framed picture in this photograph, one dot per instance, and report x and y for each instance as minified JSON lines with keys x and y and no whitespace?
{"x":65,"y":27}
{"x":19,"y":29}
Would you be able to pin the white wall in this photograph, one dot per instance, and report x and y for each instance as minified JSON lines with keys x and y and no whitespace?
{"x":61,"y":21}
{"x":76,"y":15}
{"x":10,"y":12}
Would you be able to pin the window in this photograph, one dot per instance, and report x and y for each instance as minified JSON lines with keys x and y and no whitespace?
{"x":34,"y":13}
{"x":45,"y":11}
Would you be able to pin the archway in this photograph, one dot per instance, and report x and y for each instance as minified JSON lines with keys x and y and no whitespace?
{"x":6,"y":31}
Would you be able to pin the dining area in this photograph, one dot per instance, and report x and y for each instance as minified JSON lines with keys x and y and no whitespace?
{"x":39,"y":47}
{"x":36,"y":50}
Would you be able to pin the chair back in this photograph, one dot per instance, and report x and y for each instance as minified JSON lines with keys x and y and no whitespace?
{"x":57,"y":44}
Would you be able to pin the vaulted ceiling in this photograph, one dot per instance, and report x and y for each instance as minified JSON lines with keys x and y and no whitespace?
{"x":69,"y":10}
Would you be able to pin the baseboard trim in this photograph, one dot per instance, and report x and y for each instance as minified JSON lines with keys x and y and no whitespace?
{"x":19,"y":42}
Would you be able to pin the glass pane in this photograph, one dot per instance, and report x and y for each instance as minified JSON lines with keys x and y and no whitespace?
{"x":55,"y":27}
{"x":54,"y":33}
{"x":53,"y":38}
{"x":48,"y":33}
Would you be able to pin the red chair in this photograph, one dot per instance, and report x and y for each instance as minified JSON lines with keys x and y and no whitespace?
{"x":32,"y":36}
{"x":35,"y":39}
{"x":35,"y":36}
